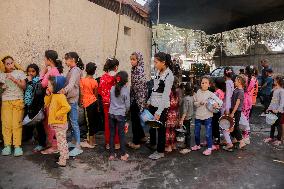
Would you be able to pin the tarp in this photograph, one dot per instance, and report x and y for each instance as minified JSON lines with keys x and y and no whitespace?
{"x":215,"y":16}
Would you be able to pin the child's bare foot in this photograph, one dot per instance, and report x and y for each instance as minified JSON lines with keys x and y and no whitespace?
{"x":125,"y":157}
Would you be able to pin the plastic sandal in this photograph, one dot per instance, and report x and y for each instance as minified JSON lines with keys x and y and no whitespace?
{"x":86,"y":145}
{"x":185,"y":151}
{"x":215,"y":147}
{"x":50,"y":150}
{"x":125,"y":157}
{"x":207,"y":152}
{"x":75,"y":152}
{"x":228,"y":148}
{"x":111,"y":158}
{"x":276,"y":143}
{"x":117,"y":146}
{"x":195,"y":148}
{"x":133,"y":146}
{"x":267,"y":140}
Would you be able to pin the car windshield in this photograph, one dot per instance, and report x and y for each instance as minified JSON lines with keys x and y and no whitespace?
{"x":217,"y":73}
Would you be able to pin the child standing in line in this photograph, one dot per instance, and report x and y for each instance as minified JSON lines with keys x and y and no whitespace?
{"x":235,"y":112}
{"x":57,"y":118}
{"x":266,"y":90}
{"x":187,"y":115}
{"x":119,"y":106}
{"x":106,"y":82}
{"x":12,"y":106}
{"x":34,"y":102}
{"x":172,"y":122}
{"x":53,"y":67}
{"x":138,"y":95}
{"x":203,"y":115}
{"x":220,"y":88}
{"x":12,"y":110}
{"x":277,"y":107}
{"x":89,"y":95}
{"x":72,"y":92}
{"x":159,"y":102}
{"x":228,"y":74}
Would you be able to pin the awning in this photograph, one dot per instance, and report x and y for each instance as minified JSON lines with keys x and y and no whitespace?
{"x":215,"y":16}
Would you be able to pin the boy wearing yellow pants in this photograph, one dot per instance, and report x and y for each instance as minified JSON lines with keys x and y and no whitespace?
{"x":12,"y":109}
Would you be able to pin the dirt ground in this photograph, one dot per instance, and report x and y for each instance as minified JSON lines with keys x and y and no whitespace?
{"x":259,"y":166}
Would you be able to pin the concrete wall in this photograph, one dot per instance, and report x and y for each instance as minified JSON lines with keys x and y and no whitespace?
{"x":276,"y":60}
{"x":26,"y":31}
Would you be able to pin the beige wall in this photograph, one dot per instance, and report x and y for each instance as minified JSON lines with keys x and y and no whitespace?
{"x":75,"y":25}
{"x":276,"y":61}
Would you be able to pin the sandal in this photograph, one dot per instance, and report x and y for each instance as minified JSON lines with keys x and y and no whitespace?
{"x":117,"y":146}
{"x":61,"y":163}
{"x":85,"y":144}
{"x":242,"y":144}
{"x":185,"y":151}
{"x":168,"y":149}
{"x":228,"y":148}
{"x":207,"y":152}
{"x":203,"y":144}
{"x":50,"y":150}
{"x":133,"y":146}
{"x":276,"y":143}
{"x":195,"y":148}
{"x":266,"y":140}
{"x":111,"y":158}
{"x":144,"y":140}
{"x":215,"y":147}
{"x":107,"y":146}
{"x":125,"y":157}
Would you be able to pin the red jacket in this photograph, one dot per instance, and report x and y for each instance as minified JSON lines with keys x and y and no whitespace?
{"x":106,"y":82}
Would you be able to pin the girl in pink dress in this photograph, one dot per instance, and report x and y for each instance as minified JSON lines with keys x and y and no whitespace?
{"x":53,"y":67}
{"x":248,"y":97}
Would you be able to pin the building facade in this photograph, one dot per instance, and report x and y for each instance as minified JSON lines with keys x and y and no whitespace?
{"x":92,"y":28}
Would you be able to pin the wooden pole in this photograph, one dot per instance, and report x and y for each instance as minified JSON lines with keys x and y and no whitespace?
{"x":118,"y":26}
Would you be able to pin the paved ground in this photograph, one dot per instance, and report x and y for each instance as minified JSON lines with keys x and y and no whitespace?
{"x":258,"y":166}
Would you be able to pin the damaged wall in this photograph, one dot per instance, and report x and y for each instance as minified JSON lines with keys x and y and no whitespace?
{"x":28,"y":28}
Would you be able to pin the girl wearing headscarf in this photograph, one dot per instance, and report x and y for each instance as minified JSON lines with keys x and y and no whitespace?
{"x":138,"y":95}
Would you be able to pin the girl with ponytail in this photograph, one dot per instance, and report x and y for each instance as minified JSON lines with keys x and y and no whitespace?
{"x":119,"y":107}
{"x":106,"y":82}
{"x":53,"y":67}
{"x":72,"y":92}
{"x":159,"y":101}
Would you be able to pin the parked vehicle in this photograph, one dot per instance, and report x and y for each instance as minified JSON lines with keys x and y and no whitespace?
{"x":219,"y":72}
